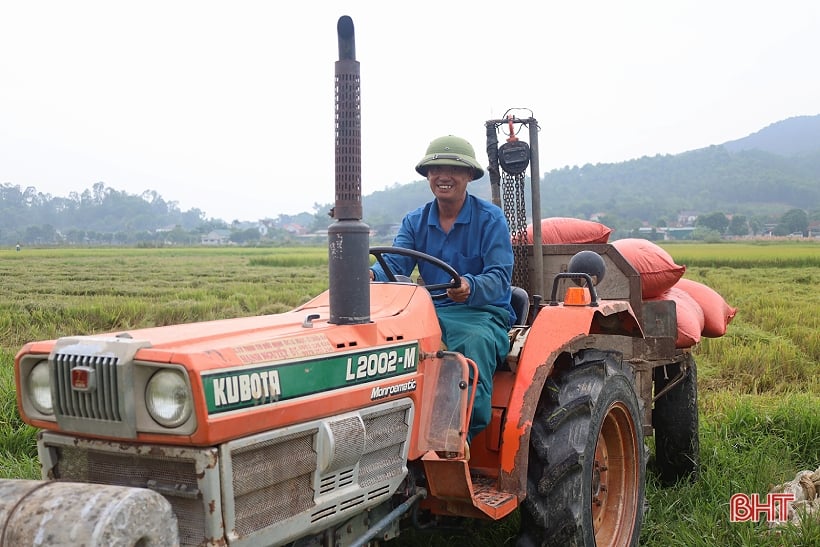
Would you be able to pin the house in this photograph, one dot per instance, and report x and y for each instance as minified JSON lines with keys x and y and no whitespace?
{"x":295,"y":229}
{"x":687,"y":218}
{"x":217,"y":237}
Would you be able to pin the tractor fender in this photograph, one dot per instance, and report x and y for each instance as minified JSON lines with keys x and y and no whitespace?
{"x":65,"y":514}
{"x":554,"y":331}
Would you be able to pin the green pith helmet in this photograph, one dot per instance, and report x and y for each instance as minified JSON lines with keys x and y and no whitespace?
{"x":450,"y":150}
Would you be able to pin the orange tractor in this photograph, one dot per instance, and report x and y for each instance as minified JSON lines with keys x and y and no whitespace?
{"x":343,"y":421}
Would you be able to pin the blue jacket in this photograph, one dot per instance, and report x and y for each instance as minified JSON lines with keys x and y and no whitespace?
{"x":478,"y":247}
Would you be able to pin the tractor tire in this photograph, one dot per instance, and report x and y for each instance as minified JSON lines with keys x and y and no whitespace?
{"x":675,"y":419}
{"x":587,"y":463}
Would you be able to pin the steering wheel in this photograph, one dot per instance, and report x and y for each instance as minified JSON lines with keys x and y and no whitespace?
{"x":455,"y":279}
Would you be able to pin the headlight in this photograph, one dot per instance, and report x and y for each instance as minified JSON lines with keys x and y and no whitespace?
{"x":168,"y":399}
{"x":39,"y":388}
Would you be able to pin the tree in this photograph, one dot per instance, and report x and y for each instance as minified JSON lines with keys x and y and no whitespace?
{"x":321,"y":217}
{"x":245,"y":236}
{"x":757,"y":224}
{"x":179,"y":236}
{"x":702,"y":233}
{"x":208,"y":226}
{"x":794,"y":221}
{"x":713,"y":221}
{"x":738,"y":226}
{"x":75,"y":236}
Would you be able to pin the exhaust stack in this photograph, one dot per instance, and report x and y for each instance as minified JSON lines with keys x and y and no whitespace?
{"x":348,"y":237}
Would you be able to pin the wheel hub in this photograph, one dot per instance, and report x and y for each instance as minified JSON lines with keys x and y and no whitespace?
{"x":615,"y":472}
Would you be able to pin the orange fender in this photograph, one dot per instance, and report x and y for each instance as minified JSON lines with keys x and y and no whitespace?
{"x":555,"y":328}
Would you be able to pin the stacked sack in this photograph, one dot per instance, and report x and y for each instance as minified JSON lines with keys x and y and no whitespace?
{"x":717,"y":314}
{"x":557,"y":230}
{"x":701,"y":311}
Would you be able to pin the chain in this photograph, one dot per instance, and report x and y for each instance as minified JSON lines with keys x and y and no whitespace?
{"x":516,"y":212}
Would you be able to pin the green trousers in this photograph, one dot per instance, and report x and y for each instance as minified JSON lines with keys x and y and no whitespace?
{"x":480,"y":333}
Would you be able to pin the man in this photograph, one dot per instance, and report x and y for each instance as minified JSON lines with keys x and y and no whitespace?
{"x":472,"y":236}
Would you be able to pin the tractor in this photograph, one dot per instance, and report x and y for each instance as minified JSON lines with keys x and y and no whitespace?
{"x":342,"y":422}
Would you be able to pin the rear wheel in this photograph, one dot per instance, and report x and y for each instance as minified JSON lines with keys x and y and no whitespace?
{"x":675,"y":419}
{"x":587,"y":467}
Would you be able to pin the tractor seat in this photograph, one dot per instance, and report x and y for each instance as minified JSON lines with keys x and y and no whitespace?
{"x":520,"y":302}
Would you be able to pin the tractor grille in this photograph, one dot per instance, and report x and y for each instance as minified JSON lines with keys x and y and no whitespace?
{"x":280,"y":486}
{"x":272,"y":480}
{"x":277,"y":478}
{"x":349,"y":436}
{"x":83,"y":465}
{"x":99,"y":404}
{"x":383,"y":457}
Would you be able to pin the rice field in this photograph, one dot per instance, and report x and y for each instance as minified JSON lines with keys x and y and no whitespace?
{"x":757,"y":254}
{"x":759,"y":385}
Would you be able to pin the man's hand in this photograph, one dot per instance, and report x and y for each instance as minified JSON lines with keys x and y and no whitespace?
{"x":460,"y":294}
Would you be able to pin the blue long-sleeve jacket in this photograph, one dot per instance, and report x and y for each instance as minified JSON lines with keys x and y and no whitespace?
{"x":478,"y":247}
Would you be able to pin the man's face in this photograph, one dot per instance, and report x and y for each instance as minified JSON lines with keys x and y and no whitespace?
{"x":449,"y":182}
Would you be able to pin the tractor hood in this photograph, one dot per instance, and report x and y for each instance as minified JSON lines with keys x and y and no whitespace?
{"x":243,"y":375}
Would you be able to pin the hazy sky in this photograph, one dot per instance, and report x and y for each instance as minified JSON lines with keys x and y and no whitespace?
{"x":229,"y":107}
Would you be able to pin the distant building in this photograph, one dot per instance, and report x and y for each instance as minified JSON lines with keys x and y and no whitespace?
{"x":665,"y":233}
{"x":679,"y":233}
{"x":216,"y":237}
{"x":295,"y":229}
{"x":687,"y":218}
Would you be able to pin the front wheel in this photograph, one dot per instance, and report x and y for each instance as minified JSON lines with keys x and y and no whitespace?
{"x":587,"y":467}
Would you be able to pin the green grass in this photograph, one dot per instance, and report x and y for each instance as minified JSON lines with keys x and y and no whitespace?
{"x":48,"y":293}
{"x":308,"y":256}
{"x":759,"y":385}
{"x":18,"y":449}
{"x":747,"y":445}
{"x":797,"y":254}
{"x":772,"y":345}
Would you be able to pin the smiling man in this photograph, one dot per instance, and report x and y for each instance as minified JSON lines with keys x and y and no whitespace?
{"x":472,"y":236}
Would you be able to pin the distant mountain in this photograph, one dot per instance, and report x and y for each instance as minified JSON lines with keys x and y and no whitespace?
{"x":763,"y":174}
{"x":760,"y":176}
{"x":790,"y":137}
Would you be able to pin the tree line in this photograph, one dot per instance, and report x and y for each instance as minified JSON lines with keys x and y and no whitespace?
{"x":750,"y":191}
